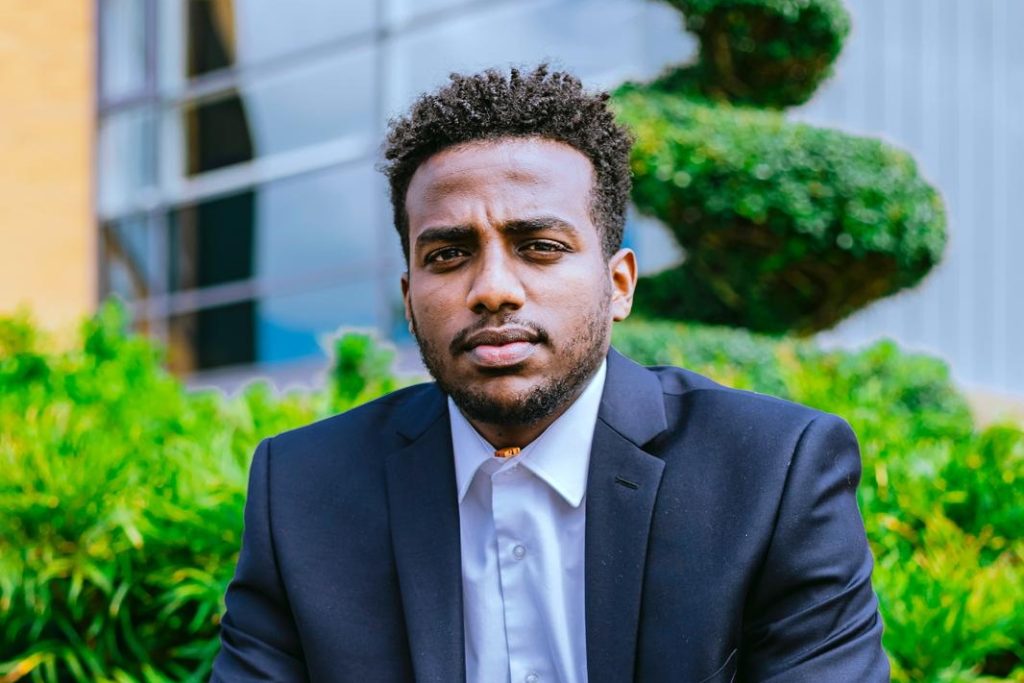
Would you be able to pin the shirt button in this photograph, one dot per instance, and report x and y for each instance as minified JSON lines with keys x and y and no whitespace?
{"x":532,"y":678}
{"x":519,"y":552}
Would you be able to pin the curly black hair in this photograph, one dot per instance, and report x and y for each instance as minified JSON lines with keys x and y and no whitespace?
{"x":492,"y":105}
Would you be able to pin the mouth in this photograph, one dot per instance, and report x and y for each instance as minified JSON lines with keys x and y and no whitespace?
{"x":501,"y":347}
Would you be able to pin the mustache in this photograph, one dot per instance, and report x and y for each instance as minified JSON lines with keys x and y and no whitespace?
{"x":497,"y":331}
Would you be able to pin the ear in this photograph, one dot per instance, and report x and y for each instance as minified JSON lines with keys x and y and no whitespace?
{"x":405,"y":299}
{"x":623,"y":273}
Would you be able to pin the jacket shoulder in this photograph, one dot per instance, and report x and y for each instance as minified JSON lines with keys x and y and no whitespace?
{"x":377,"y":422}
{"x":697,"y":393}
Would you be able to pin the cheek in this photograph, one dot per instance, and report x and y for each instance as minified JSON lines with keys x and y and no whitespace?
{"x":579,"y":293}
{"x":431,"y":306}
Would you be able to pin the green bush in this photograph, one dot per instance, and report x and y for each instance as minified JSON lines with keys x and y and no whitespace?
{"x":771,"y":53}
{"x":785,"y":226}
{"x":942,"y":502}
{"x":121,"y":495}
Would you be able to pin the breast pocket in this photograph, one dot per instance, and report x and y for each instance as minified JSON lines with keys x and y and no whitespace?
{"x":725,"y":673}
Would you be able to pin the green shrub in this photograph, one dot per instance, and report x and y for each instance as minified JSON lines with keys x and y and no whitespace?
{"x":361,"y":370}
{"x":983,"y":488}
{"x":915,"y":390}
{"x":785,"y":226}
{"x":121,"y":495}
{"x":771,"y":53}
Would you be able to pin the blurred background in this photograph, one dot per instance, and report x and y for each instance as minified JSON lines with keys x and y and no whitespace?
{"x":212,"y":162}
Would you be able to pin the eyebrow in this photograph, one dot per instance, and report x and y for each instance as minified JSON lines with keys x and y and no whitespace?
{"x":444,"y":233}
{"x":526,"y":226}
{"x":520,"y":226}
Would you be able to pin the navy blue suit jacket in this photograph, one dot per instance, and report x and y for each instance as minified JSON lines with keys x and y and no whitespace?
{"x":723,"y":543}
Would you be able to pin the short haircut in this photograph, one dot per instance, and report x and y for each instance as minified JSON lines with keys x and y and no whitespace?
{"x":492,"y":105}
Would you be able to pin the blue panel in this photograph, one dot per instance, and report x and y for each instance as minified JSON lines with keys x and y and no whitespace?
{"x":300,"y":326}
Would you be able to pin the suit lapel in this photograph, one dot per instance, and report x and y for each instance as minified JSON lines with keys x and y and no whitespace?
{"x":423,"y":504}
{"x":622,"y":486}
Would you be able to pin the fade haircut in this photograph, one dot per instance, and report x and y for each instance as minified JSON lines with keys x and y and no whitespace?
{"x":492,"y":105}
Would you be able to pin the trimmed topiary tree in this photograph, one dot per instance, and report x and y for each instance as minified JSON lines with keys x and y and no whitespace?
{"x":786,"y":227}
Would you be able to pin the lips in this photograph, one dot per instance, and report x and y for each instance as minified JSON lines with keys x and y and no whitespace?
{"x":501,"y":347}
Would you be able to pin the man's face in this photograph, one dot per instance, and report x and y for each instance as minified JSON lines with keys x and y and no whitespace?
{"x":508,"y":292}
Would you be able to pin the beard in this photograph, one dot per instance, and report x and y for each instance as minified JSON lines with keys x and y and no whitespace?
{"x":582,"y":353}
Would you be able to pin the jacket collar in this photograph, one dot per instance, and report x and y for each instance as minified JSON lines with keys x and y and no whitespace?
{"x":632,"y":403}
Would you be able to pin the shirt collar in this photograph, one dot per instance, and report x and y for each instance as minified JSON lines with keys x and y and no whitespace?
{"x":560,"y":456}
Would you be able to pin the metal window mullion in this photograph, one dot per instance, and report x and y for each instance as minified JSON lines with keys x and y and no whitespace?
{"x":151,"y":36}
{"x":159,"y":246}
{"x":247,"y":175}
{"x":462,"y":10}
{"x":382,"y":63}
{"x":257,"y":287}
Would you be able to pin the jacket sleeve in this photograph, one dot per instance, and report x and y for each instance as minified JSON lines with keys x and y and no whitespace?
{"x":259,"y":640}
{"x":814,"y":615}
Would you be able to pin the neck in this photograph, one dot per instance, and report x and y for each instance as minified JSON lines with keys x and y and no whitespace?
{"x":505,"y":435}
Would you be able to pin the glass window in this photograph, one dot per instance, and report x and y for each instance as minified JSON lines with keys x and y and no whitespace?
{"x":521,"y":33}
{"x":131,"y":259}
{"x":212,"y":338}
{"x":275,"y":329}
{"x":212,"y":242}
{"x":318,"y":226}
{"x":203,"y":36}
{"x":328,"y":100}
{"x":122,"y":47}
{"x":402,"y":11}
{"x":127,"y":160}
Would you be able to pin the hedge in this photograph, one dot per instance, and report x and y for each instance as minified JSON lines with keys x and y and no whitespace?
{"x":770,"y":53}
{"x":786,"y":227}
{"x":121,"y":495}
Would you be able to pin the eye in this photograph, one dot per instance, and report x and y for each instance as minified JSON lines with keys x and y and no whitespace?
{"x":544,"y":248}
{"x":445,"y":255}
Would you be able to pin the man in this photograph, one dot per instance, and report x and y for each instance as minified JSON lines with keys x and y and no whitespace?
{"x":547,"y":510}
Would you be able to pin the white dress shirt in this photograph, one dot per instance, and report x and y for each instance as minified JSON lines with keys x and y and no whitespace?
{"x":522,"y":522}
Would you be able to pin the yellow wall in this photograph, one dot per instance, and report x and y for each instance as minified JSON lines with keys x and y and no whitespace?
{"x":47,"y":234}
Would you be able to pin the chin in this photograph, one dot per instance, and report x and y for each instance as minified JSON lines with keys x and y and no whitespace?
{"x":502,"y":383}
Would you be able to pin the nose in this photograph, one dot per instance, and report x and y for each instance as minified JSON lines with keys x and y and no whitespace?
{"x":496,"y":285}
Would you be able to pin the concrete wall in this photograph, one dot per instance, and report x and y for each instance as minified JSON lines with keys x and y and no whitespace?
{"x":944,"y":80}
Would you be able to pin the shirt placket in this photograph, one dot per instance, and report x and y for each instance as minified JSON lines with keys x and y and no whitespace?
{"x":509,"y":504}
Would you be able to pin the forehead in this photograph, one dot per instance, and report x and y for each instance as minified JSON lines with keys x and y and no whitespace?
{"x":503,"y":176}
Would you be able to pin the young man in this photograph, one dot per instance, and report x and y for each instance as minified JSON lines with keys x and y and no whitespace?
{"x":546,"y":510}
